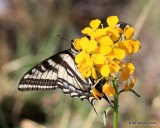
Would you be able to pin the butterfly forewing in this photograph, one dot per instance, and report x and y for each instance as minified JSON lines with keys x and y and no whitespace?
{"x":58,"y":71}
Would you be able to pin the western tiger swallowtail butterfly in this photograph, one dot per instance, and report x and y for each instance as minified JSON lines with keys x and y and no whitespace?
{"x":60,"y":71}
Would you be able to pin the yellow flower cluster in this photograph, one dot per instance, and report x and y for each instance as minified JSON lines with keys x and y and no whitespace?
{"x":104,"y":51}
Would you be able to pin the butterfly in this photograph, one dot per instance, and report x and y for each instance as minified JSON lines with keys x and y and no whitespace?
{"x":60,"y":71}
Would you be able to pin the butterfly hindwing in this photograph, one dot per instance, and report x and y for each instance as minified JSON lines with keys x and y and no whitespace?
{"x":58,"y":71}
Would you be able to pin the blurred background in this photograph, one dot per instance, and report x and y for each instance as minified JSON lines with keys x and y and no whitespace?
{"x":28,"y":34}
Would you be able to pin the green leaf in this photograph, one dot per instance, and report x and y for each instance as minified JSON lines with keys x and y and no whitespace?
{"x":105,"y":115}
{"x":135,"y":93}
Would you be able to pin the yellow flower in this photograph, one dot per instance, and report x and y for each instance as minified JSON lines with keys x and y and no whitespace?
{"x":105,"y":53}
{"x":87,"y":45}
{"x":94,"y":24}
{"x":105,"y":45}
{"x":85,"y":65}
{"x":108,"y":90}
{"x":131,"y":46}
{"x":112,"y":31}
{"x":127,"y":70}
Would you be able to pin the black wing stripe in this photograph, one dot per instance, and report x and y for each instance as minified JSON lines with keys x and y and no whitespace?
{"x":66,"y":65}
{"x":73,"y":92}
{"x":72,"y":72}
{"x":29,"y":80}
{"x":36,"y":84}
{"x":74,"y":78}
{"x":43,"y":75}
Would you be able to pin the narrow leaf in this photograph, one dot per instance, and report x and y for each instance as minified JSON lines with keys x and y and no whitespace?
{"x":135,"y":93}
{"x":105,"y":115}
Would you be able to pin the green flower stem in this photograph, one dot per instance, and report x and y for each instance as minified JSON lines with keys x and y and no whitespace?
{"x":115,"y":123}
{"x":123,"y":90}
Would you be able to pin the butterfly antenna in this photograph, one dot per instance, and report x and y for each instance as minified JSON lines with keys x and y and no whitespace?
{"x":63,"y":38}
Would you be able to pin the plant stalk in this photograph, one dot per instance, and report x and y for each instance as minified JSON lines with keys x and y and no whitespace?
{"x":115,"y":121}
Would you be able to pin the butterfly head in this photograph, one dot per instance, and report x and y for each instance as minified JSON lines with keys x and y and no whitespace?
{"x":122,"y":25}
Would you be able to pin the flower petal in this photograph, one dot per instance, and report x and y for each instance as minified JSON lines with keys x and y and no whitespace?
{"x":92,"y":46}
{"x":119,"y":53}
{"x":113,"y":33}
{"x":105,"y":70}
{"x":128,"y":46}
{"x":129,"y":86}
{"x":80,"y":57}
{"x":87,"y":73}
{"x":77,"y":44}
{"x":129,"y":32}
{"x":88,"y":60}
{"x":126,"y":87}
{"x":108,"y":90}
{"x":114,"y":66}
{"x":127,"y":71}
{"x":124,"y":75}
{"x":98,"y":59}
{"x":98,"y":33}
{"x":112,"y":21}
{"x":135,"y":45}
{"x":84,"y":41}
{"x":94,"y":74}
{"x":105,"y":40}
{"x":105,"y":50}
{"x":87,"y":31}
{"x":130,"y":67}
{"x":95,"y":24}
